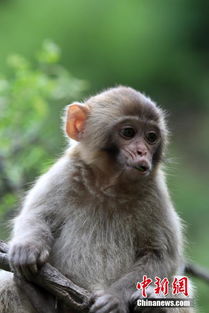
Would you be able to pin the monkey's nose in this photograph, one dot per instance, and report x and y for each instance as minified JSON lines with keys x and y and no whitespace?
{"x":141,"y":152}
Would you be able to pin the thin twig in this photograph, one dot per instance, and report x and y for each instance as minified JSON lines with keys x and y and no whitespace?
{"x":197,"y":271}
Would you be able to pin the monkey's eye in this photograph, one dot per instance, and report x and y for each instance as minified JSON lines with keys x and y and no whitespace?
{"x":128,"y":132}
{"x":151,"y":137}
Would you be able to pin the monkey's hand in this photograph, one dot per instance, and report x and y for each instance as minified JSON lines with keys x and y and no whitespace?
{"x":27,"y":257}
{"x":150,"y":295}
{"x":107,"y":303}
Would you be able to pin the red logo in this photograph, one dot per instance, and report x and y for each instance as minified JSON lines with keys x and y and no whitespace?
{"x":179,"y":285}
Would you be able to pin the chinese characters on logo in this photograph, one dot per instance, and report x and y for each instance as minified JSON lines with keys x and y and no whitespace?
{"x":179,"y":285}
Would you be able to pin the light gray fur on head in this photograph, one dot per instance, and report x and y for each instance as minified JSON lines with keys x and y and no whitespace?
{"x":112,"y":104}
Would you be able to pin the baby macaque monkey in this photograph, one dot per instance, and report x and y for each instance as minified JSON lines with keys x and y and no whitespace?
{"x":102,"y":214}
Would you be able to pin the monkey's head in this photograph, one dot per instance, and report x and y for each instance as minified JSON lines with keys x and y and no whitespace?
{"x":120,"y":128}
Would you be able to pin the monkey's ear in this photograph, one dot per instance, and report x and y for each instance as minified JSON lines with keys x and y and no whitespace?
{"x":75,"y":119}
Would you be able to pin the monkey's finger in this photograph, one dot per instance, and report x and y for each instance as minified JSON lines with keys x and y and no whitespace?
{"x":102,"y":303}
{"x":112,"y":311}
{"x":19,"y":271}
{"x":26,"y":272}
{"x":108,"y":308}
{"x":43,"y":256}
{"x":99,"y":293}
{"x":97,"y":305}
{"x":27,"y":257}
{"x":94,"y":297}
{"x":15,"y":256}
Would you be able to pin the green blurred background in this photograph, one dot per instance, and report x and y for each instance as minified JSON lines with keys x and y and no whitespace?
{"x":53,"y":52}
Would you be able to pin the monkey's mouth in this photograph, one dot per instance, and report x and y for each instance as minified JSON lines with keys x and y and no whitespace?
{"x":142,"y":169}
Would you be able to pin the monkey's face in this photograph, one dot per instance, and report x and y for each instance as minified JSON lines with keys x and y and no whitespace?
{"x":119,"y":130}
{"x":136,"y":145}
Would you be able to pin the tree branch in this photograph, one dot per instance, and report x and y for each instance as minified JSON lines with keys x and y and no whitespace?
{"x":54,"y":282}
{"x":197,"y":271}
{"x":63,"y":288}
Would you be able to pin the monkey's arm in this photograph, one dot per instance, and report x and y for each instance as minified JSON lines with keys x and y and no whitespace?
{"x":159,"y":255}
{"x":32,"y":232}
{"x":151,"y":265}
{"x":123,"y":292}
{"x":31,"y":240}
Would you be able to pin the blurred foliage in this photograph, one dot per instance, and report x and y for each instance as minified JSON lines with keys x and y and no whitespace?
{"x":28,"y":98}
{"x":160,"y":47}
{"x":189,"y":191}
{"x":157,"y":46}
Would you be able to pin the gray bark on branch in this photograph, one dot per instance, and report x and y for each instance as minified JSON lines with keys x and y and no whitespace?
{"x":54,"y":282}
{"x":197,"y":271}
{"x":50,"y":279}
